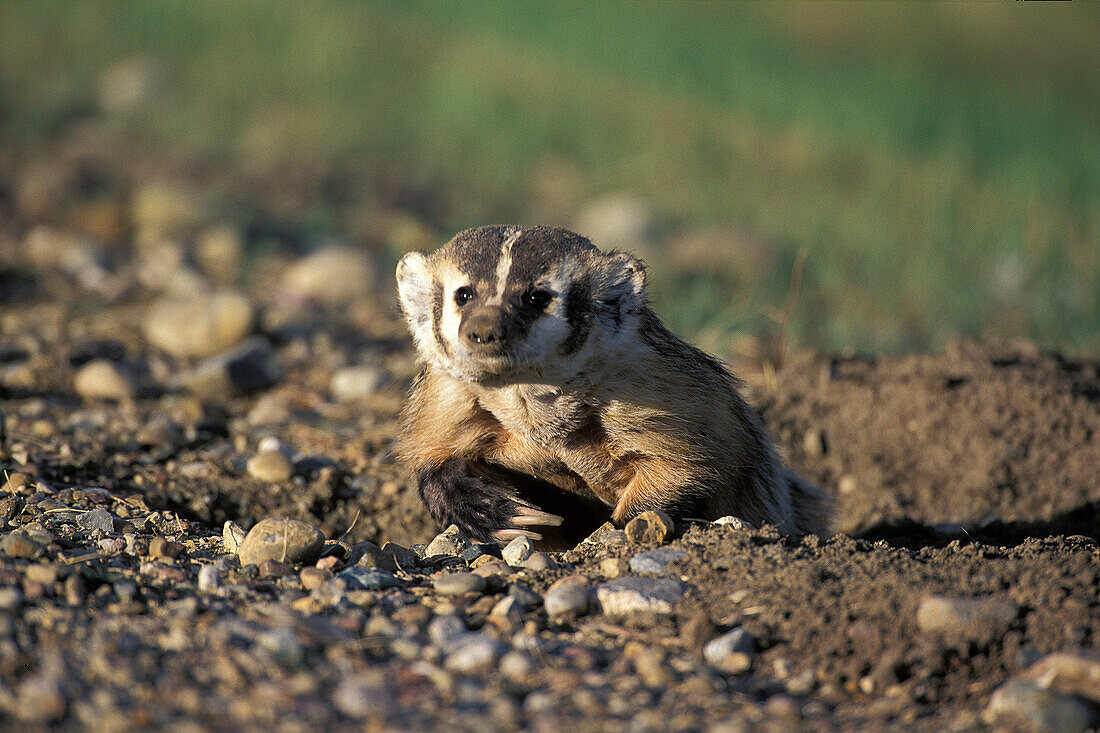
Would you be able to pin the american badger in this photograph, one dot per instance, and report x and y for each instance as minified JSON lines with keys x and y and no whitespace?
{"x":551,"y":391}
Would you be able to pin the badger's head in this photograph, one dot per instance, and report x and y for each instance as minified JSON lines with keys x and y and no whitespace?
{"x":503,"y":304}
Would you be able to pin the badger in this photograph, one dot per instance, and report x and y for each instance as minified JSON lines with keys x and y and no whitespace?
{"x":551,"y":398}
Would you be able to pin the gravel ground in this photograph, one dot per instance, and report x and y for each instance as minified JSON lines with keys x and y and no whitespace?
{"x":202,"y":525}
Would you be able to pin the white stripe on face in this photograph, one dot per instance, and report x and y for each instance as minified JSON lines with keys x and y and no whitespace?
{"x":504,"y":267}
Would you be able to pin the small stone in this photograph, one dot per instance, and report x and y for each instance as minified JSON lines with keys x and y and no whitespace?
{"x":630,"y":595}
{"x":539,"y":561}
{"x":370,"y":555}
{"x":97,"y":519}
{"x":353,"y":384}
{"x":613,"y":567}
{"x":975,"y":619}
{"x":218,"y":252}
{"x":210,"y":580}
{"x":474,"y":654}
{"x":516,"y":551}
{"x":450,"y":541}
{"x":11,"y":600}
{"x":360,"y":578}
{"x":1019,"y":703}
{"x":232,"y":536}
{"x":527,"y":597}
{"x":813,"y":443}
{"x":18,"y":544}
{"x":458,"y":584}
{"x":274,"y":569}
{"x":405,"y":558}
{"x":656,"y":561}
{"x":44,"y":573}
{"x":270,"y":466}
{"x":39,"y":699}
{"x":652,"y":667}
{"x":312,"y":577}
{"x":606,"y":535}
{"x":443,"y":629}
{"x":162,"y":549}
{"x":1072,"y":673}
{"x":567,"y":598}
{"x":101,"y":379}
{"x":517,"y":666}
{"x":199,"y":327}
{"x":507,"y":614}
{"x":487,"y":566}
{"x":651,"y":527}
{"x":245,"y":369}
{"x":334,"y":275}
{"x":285,"y":540}
{"x":730,"y":651}
{"x":734,"y":522}
{"x":362,"y":696}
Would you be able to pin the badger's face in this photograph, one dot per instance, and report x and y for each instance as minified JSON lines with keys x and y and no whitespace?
{"x":508,"y":304}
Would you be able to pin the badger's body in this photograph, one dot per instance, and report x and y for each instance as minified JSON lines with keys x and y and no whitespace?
{"x":550,"y":390}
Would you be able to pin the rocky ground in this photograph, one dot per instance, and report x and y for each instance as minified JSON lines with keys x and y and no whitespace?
{"x":171,"y":380}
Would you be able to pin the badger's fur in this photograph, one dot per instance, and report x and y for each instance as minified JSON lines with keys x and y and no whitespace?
{"x":550,"y":390}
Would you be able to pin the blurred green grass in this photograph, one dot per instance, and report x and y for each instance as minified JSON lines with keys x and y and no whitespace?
{"x":939,"y":164}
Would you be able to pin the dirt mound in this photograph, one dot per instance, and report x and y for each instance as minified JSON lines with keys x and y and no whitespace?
{"x":977,"y":434}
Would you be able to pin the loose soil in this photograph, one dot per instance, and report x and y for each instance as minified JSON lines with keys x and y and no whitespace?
{"x":969,"y":473}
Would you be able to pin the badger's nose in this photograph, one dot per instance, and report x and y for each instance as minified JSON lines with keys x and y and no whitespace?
{"x":484,"y":331}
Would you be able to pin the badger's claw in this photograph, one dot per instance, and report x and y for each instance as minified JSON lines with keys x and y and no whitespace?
{"x":481,"y":506}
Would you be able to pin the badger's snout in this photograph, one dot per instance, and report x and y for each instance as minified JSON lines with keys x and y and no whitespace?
{"x":484,"y":330}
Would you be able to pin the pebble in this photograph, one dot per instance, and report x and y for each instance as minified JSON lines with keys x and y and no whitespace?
{"x":656,"y":561}
{"x":458,"y":584}
{"x":355,"y":383}
{"x":539,"y":561}
{"x":11,"y":600}
{"x":218,"y":251}
{"x":606,"y":535}
{"x":507,"y":614}
{"x":652,"y":527}
{"x":162,"y":549}
{"x":285,"y":540}
{"x":101,"y":379}
{"x":232,"y":536}
{"x":199,"y":327}
{"x":1073,"y":673}
{"x":312,"y":577}
{"x":730,"y":651}
{"x":474,"y":653}
{"x":613,"y":567}
{"x":360,"y":578}
{"x":332,"y":275}
{"x":975,"y":619}
{"x":631,"y":594}
{"x":166,"y":206}
{"x":443,"y":629}
{"x":18,"y":544}
{"x":97,"y":519}
{"x":270,"y":466}
{"x":450,"y":541}
{"x":210,"y":579}
{"x":247,"y":368}
{"x":360,"y":696}
{"x":517,"y":666}
{"x":404,"y":557}
{"x":527,"y":597}
{"x":39,"y":699}
{"x":274,"y":569}
{"x":1019,"y":703}
{"x":735,"y":522}
{"x":567,"y":598}
{"x":516,"y":551}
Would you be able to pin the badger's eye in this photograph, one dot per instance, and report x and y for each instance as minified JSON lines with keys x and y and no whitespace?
{"x":464,"y":295}
{"x":537,"y":299}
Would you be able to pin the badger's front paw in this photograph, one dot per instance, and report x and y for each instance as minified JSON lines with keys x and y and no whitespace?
{"x":482,"y":508}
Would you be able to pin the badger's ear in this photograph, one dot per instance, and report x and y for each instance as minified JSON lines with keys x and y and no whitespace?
{"x":414,"y":287}
{"x":627,"y":279}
